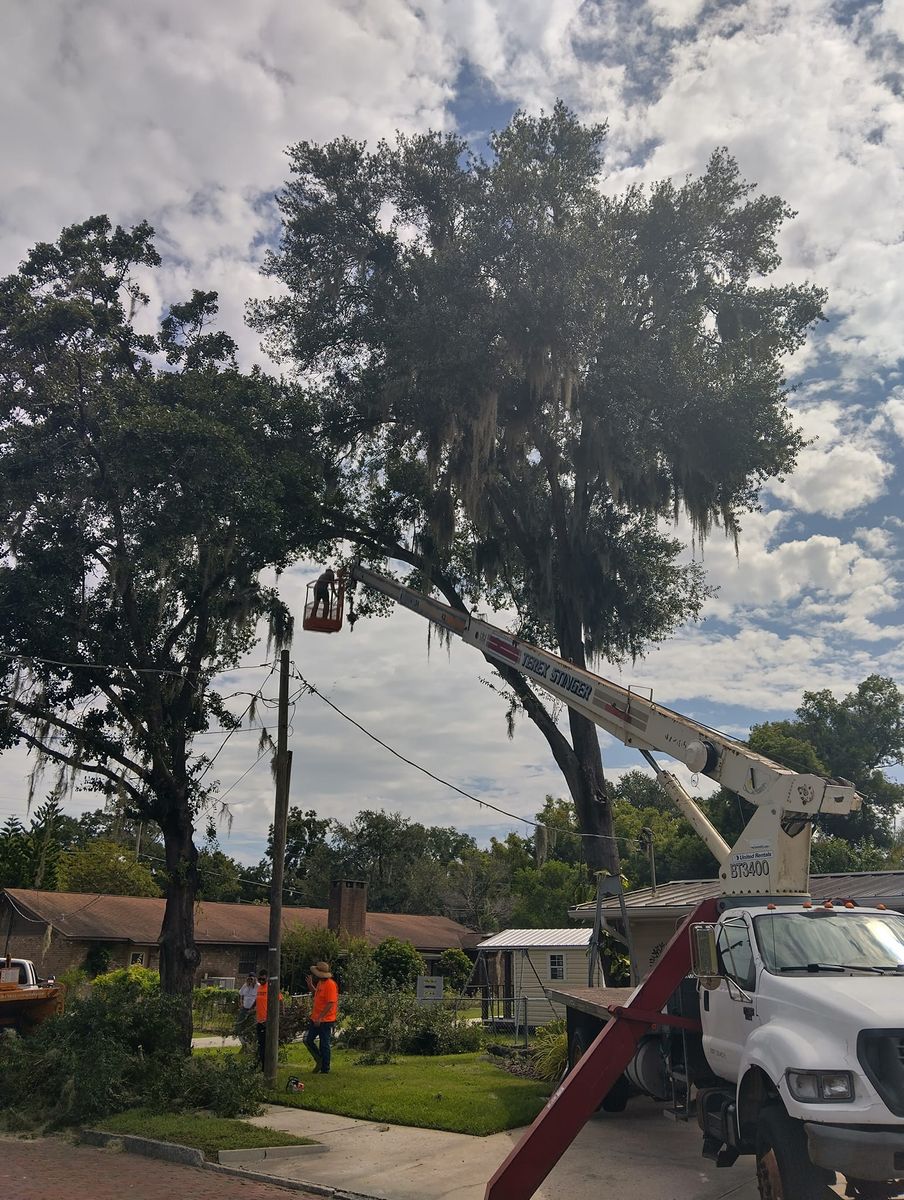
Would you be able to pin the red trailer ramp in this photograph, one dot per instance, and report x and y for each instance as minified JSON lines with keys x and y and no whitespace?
{"x":569,"y":1107}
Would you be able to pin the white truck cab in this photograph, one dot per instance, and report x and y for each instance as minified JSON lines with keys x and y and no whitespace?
{"x":807,"y":1017}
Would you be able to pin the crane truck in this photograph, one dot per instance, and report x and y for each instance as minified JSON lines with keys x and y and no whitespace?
{"x":777,"y":1022}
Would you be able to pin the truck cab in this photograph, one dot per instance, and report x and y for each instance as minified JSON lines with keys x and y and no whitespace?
{"x":803,"y":1030}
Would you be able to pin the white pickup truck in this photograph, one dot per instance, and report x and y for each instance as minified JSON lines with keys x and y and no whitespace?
{"x":26,"y":1000}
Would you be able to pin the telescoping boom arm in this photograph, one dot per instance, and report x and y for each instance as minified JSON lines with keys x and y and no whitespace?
{"x":772,"y":856}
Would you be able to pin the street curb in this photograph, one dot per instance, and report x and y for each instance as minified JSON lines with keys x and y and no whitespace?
{"x":260,"y":1153}
{"x":168,"y":1151}
{"x":188,"y":1156}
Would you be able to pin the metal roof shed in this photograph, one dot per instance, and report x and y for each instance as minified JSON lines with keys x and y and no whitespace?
{"x":522,"y":964}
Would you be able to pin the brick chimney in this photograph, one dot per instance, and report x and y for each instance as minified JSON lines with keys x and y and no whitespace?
{"x":348,"y":907}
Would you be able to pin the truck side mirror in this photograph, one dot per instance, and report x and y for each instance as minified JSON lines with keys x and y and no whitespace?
{"x":705,"y":963}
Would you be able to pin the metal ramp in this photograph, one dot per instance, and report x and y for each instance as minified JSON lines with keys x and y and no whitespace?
{"x":583,"y":1089}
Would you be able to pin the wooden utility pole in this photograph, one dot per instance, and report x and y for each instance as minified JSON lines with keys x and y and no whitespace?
{"x":280,"y":819}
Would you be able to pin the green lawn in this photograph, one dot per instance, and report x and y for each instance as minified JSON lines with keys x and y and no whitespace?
{"x":206,"y":1133}
{"x":464,"y":1093}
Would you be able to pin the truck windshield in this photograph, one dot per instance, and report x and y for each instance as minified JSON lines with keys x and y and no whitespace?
{"x":830,"y":939}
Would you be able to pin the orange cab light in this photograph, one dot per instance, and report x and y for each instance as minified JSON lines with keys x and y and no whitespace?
{"x":828,"y":904}
{"x":808,"y":904}
{"x":770,"y":906}
{"x":883,"y":906}
{"x":849,"y":904}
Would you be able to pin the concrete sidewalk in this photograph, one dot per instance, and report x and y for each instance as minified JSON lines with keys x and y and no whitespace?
{"x":636,"y":1155}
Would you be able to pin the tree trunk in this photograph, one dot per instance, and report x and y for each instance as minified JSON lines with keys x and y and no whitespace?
{"x":588,"y":783}
{"x":581,"y":764}
{"x":179,"y":956}
{"x":591,"y":802}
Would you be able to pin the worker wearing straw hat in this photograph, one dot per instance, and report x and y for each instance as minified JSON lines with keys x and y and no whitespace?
{"x":324,"y":1012}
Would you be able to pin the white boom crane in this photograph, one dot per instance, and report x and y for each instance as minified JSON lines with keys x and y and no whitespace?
{"x":772,"y":855}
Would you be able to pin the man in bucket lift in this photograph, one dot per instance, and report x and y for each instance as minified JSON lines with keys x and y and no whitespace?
{"x":323,"y":592}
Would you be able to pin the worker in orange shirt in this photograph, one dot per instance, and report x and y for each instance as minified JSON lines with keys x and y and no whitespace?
{"x":261,"y":1014}
{"x":324,"y":1012}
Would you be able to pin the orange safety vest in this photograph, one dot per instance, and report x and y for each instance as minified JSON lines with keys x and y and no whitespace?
{"x":261,"y":1003}
{"x":326,"y":1001}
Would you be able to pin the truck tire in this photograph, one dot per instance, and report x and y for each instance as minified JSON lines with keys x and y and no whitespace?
{"x":783,"y":1167}
{"x":616,"y":1099}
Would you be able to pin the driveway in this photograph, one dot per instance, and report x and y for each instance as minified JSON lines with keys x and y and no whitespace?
{"x":636,"y":1155}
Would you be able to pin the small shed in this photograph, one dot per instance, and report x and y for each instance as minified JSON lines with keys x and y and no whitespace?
{"x":521,"y":964}
{"x":655,"y":913}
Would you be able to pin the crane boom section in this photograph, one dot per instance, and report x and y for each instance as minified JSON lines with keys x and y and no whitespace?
{"x":773,"y":852}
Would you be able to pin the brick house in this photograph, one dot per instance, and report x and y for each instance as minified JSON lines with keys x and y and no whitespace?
{"x":56,"y":929}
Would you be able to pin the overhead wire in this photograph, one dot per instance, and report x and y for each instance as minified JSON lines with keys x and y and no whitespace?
{"x":309,"y":687}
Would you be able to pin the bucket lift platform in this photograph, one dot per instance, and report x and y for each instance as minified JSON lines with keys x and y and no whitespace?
{"x":324,"y":605}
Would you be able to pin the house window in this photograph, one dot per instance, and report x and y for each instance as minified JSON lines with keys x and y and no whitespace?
{"x":557,"y":966}
{"x":247,"y":961}
{"x":136,"y":958}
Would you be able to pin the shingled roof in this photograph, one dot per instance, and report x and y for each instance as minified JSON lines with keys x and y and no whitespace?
{"x":137,"y":919}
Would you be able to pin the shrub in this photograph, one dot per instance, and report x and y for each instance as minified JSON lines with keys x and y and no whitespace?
{"x":214,"y":1008}
{"x":102,"y":1055}
{"x":75,"y":981}
{"x":97,"y":960}
{"x":399,"y":964}
{"x":397,"y":1024}
{"x":127,"y":984}
{"x":300,"y":948}
{"x":456,"y":967}
{"x":358,"y":973}
{"x":550,"y":1051}
{"x":229,"y":1085}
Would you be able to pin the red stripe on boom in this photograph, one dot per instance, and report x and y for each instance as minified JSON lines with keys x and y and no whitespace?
{"x":505,"y":649}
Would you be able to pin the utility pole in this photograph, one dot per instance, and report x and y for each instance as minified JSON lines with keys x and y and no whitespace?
{"x":280,"y":818}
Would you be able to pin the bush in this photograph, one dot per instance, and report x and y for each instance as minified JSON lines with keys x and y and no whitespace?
{"x":214,"y":1009}
{"x":399,"y":964}
{"x":97,"y":960}
{"x":301,"y":947}
{"x":75,"y":981}
{"x":398,"y":1024}
{"x":229,"y":1085}
{"x":127,"y":984}
{"x":455,"y":966}
{"x":102,"y":1055}
{"x":550,"y":1051}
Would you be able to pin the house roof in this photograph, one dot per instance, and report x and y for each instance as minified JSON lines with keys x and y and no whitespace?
{"x":538,"y":939}
{"x":138,"y":919}
{"x":886,"y":887}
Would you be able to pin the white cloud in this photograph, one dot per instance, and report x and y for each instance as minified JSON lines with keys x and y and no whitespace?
{"x":181,"y":113}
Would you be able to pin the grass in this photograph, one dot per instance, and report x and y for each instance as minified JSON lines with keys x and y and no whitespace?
{"x":463,"y":1093}
{"x":202,"y":1132}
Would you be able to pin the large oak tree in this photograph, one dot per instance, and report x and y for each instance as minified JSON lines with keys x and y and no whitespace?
{"x":526,"y":376}
{"x":139,"y":505}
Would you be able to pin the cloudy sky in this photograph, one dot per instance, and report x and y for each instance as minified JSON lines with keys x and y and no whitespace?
{"x":181,"y":113}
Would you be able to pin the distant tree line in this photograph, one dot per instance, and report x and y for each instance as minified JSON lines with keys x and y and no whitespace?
{"x":527,"y":880}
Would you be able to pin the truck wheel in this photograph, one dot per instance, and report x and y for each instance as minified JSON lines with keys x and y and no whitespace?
{"x":616,"y":1099}
{"x":783,"y":1167}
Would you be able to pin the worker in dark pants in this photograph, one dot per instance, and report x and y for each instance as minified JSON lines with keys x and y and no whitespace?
{"x":323,"y":592}
{"x":261,"y":1005}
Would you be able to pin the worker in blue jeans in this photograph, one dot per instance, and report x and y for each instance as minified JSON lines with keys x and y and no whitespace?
{"x":324,"y":1012}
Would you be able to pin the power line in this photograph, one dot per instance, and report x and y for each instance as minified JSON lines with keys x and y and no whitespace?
{"x":56,"y":662}
{"x":554,"y":829}
{"x":222,"y":745}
